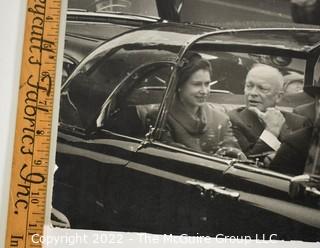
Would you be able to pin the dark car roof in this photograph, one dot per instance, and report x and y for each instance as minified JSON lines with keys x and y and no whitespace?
{"x":169,"y":33}
{"x":301,"y":40}
{"x":167,"y":36}
{"x":175,"y":36}
{"x":296,"y":39}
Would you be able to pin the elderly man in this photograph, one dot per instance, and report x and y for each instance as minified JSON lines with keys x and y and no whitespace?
{"x":260,"y":126}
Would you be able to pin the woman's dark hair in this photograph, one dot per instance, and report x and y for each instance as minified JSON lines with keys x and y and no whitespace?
{"x":192,"y":62}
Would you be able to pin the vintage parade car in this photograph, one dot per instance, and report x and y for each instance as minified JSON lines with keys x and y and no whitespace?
{"x":115,"y":172}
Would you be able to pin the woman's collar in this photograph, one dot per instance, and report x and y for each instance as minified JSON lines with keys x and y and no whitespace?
{"x":193,"y":124}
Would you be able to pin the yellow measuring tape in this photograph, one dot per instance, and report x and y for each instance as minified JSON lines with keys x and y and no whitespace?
{"x":33,"y":123}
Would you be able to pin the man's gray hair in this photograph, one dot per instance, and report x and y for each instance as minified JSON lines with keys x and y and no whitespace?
{"x":268,"y":71}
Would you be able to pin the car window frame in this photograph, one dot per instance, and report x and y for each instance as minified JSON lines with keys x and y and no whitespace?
{"x":313,"y":88}
{"x":260,"y":49}
{"x":156,"y":132}
{"x":123,"y":83}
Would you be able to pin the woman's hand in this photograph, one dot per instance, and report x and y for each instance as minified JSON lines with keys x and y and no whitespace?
{"x":231,"y":152}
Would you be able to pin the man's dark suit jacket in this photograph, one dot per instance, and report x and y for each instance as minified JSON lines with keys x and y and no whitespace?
{"x":292,"y":154}
{"x":247,"y":128}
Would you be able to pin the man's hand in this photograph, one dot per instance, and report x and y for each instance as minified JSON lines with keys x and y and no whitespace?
{"x":272,"y":118}
{"x":267,"y":159}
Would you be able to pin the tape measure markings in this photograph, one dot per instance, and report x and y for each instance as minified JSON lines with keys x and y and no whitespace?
{"x":33,"y":128}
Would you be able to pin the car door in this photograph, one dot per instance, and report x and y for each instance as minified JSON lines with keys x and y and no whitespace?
{"x":279,"y":193}
{"x":204,"y":194}
{"x":92,"y":186}
{"x":81,"y":157}
{"x":128,"y":114}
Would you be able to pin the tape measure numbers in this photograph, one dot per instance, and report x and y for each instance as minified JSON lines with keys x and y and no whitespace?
{"x":33,"y":124}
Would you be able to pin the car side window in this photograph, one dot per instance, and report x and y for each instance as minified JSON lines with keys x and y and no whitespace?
{"x":222,"y":119}
{"x":134,"y":107}
{"x":89,"y":86}
{"x":316,"y":74}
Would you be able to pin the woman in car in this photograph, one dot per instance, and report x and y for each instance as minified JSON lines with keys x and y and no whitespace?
{"x":192,"y":122}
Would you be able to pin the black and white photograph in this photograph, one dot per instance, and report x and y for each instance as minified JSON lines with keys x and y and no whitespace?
{"x":190,"y":117}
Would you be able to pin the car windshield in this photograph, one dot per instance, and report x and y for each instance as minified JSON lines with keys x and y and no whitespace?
{"x":137,"y":7}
